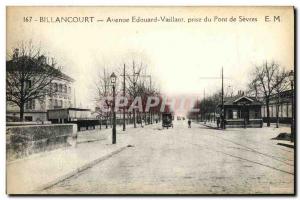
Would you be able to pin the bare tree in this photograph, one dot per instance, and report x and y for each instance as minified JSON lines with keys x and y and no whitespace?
{"x":29,"y":76}
{"x":136,"y":85}
{"x":282,"y":82}
{"x":103,"y":91}
{"x":265,"y":81}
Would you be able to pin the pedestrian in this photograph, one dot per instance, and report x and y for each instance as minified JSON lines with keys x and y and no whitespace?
{"x":218,"y":122}
{"x":189,"y":123}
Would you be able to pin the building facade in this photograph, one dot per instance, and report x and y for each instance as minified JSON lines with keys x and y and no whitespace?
{"x":242,"y":112}
{"x":36,"y":110}
{"x":282,"y":102}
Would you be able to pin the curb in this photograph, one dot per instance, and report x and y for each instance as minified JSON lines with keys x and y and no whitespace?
{"x":210,"y":126}
{"x":78,"y":170}
{"x":286,"y":145}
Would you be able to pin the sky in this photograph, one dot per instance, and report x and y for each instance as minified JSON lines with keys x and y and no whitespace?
{"x":179,"y":56}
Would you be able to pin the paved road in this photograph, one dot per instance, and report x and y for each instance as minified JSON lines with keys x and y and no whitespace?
{"x":196,"y":160}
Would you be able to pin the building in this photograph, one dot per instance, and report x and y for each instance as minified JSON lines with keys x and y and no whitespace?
{"x":283,"y":101}
{"x":36,"y":110}
{"x":84,"y":118}
{"x":242,"y":112}
{"x":64,"y":115}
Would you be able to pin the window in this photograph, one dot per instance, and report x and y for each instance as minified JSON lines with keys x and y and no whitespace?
{"x":271,"y":106}
{"x":283,"y":110}
{"x":289,"y":110}
{"x":55,"y":87}
{"x":28,"y":118}
{"x":27,"y":84}
{"x":234,"y":114}
{"x":60,"y":88}
{"x":30,"y":105}
{"x":230,"y":115}
{"x":65,"y":89}
{"x":33,"y":104}
{"x":239,"y":114}
{"x":50,"y":103}
{"x":257,"y":113}
{"x":27,"y":106}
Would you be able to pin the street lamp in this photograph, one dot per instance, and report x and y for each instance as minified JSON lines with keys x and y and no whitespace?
{"x":113,"y":79}
{"x":291,"y":77}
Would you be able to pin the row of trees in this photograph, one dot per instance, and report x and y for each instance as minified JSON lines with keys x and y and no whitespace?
{"x":266,"y":81}
{"x":132,"y":82}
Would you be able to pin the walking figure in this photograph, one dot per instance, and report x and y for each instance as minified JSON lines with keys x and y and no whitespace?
{"x":218,"y":122}
{"x":189,"y":123}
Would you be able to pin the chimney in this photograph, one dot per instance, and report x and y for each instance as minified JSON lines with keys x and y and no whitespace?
{"x":42,"y":60}
{"x":16,"y":53}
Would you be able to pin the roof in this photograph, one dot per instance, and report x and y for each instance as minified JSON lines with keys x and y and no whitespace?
{"x":241,"y":100}
{"x":75,"y":109}
{"x":10,"y":67}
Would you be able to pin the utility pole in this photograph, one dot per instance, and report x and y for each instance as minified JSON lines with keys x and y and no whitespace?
{"x":124,"y":94}
{"x":197,"y":106}
{"x":114,"y":134}
{"x":204,"y":107}
{"x":223,"y":113}
{"x":134,"y":84}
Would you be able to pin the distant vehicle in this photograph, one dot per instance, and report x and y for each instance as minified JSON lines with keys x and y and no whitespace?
{"x":183,"y":118}
{"x":178,"y":118}
{"x":138,"y":120}
{"x":167,"y":120}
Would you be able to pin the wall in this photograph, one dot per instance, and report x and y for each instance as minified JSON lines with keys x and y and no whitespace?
{"x":22,"y":141}
{"x":36,"y":116}
{"x":239,"y":123}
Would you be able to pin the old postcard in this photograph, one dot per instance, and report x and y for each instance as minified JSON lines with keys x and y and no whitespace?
{"x":150,"y":100}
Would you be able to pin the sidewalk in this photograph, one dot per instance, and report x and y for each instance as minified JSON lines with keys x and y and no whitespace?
{"x":209,"y":124}
{"x":39,"y":171}
{"x":95,"y":135}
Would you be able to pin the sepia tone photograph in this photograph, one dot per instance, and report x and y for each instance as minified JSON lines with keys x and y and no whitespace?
{"x":150,"y":100}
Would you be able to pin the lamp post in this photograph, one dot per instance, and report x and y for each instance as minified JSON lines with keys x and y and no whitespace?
{"x":291,"y":76}
{"x":113,"y":79}
{"x":124,"y":94}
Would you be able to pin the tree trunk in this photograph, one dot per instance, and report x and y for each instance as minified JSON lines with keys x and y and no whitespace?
{"x":134,"y":121}
{"x":268,"y":111}
{"x":22,"y":112}
{"x":277,"y":116}
{"x":106,"y":124}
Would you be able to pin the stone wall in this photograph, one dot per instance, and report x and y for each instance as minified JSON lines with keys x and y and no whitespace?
{"x":22,"y":141}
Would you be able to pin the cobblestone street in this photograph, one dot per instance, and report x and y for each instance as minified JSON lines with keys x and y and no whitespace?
{"x":197,"y":160}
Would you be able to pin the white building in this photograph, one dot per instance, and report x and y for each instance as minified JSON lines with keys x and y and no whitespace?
{"x":36,"y":110}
